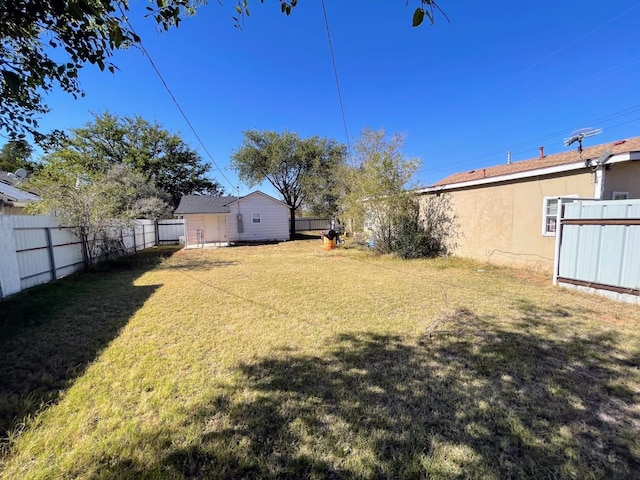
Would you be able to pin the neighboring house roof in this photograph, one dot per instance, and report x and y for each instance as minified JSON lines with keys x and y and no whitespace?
{"x":9,"y":178}
{"x":204,"y":204}
{"x":13,"y":194}
{"x":564,"y":161}
{"x":213,"y":204}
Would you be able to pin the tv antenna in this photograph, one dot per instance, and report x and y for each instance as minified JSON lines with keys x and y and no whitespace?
{"x":579,"y":135}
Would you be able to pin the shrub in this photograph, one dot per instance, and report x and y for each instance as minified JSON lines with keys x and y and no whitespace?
{"x":424,"y":234}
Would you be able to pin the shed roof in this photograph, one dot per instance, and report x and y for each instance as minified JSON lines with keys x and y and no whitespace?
{"x":11,"y":193}
{"x":204,"y":204}
{"x":620,"y":146}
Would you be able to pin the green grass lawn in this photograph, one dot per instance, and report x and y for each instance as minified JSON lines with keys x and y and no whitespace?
{"x":288,"y":361}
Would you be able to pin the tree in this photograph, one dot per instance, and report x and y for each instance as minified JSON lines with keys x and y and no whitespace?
{"x":376,"y":183}
{"x":16,"y":154}
{"x":95,"y":204}
{"x":377,"y":190}
{"x":291,"y":164}
{"x":162,"y":157}
{"x":45,"y":44}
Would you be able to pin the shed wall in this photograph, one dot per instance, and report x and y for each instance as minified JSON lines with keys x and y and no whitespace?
{"x":274,"y":219}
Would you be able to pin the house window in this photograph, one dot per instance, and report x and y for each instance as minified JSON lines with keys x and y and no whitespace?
{"x":549,"y":216}
{"x":619,"y":195}
{"x":255,"y":217}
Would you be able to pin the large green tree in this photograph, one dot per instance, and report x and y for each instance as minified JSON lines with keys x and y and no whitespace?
{"x":161,"y":156}
{"x":16,"y":154}
{"x":294,"y":166}
{"x":45,"y":43}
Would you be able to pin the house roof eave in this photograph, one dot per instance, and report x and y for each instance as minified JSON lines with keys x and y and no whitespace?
{"x":618,"y":158}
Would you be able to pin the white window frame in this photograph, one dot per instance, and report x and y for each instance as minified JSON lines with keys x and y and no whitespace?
{"x":545,"y":215}
{"x":256,"y":218}
{"x":621,"y":195}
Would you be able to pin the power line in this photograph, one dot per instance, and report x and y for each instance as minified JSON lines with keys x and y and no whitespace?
{"x":335,"y":72}
{"x":175,"y":101}
{"x":523,"y":146}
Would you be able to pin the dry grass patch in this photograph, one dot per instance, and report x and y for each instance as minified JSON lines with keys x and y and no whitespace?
{"x":287,"y":361}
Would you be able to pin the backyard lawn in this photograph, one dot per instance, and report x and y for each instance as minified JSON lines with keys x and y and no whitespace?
{"x":288,"y":361}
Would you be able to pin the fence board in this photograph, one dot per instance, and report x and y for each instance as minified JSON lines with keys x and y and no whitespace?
{"x":603,"y":255}
{"x":39,"y":243}
{"x":307,"y":224}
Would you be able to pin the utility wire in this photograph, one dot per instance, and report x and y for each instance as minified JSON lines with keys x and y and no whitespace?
{"x":175,"y":101}
{"x":335,"y":72}
{"x":523,"y":146}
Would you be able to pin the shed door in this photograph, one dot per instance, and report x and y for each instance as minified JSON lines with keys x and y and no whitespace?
{"x":216,"y":228}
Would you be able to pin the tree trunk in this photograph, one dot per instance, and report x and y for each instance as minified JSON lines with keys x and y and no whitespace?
{"x":292,"y":223}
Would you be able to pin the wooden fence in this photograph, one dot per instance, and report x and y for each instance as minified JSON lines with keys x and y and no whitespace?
{"x":36,"y":249}
{"x":598,"y":248}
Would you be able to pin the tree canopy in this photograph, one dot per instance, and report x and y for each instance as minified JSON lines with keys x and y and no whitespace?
{"x":293,"y":165}
{"x":161,"y":156}
{"x":376,"y":181}
{"x":46,"y":43}
{"x":377,"y":184}
{"x":94,"y":203}
{"x":16,"y":154}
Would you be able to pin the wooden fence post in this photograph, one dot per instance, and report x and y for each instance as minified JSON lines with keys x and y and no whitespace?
{"x":135,"y":249}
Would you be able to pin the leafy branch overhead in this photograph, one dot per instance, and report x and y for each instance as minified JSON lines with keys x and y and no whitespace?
{"x":45,"y":44}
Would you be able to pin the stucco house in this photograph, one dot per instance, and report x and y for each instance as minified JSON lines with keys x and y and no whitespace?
{"x":507,"y":213}
{"x":221,"y":220}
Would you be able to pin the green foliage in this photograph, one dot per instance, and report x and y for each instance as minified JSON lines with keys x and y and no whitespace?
{"x":376,"y":193}
{"x":297,"y":168}
{"x":162,"y":157}
{"x":375,"y":182}
{"x":16,"y":154}
{"x":45,"y":44}
{"x":94,"y":203}
{"x":427,"y":234}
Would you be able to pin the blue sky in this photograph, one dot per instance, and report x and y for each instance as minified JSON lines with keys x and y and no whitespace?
{"x":499,"y":76}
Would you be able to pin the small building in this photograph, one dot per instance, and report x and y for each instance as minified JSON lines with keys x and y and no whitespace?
{"x":222,"y":220}
{"x":507,"y":213}
{"x":12,"y":199}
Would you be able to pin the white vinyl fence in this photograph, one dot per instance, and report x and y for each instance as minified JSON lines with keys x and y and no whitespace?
{"x":36,"y":249}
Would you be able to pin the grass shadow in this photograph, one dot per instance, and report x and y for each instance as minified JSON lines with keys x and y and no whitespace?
{"x":467,"y":400}
{"x":50,"y":333}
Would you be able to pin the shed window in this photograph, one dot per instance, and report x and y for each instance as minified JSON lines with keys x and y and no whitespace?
{"x":619,"y":195}
{"x":255,"y":217}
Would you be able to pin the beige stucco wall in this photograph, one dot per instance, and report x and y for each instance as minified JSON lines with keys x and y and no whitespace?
{"x":502,"y":223}
{"x":622,"y":177}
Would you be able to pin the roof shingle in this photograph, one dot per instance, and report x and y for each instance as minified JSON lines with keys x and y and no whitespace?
{"x":620,"y":146}
{"x":204,"y":204}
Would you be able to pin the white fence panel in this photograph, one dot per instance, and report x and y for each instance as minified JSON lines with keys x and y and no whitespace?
{"x":39,"y":250}
{"x":170,"y":231}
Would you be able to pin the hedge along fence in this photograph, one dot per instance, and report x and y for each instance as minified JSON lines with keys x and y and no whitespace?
{"x":36,"y":249}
